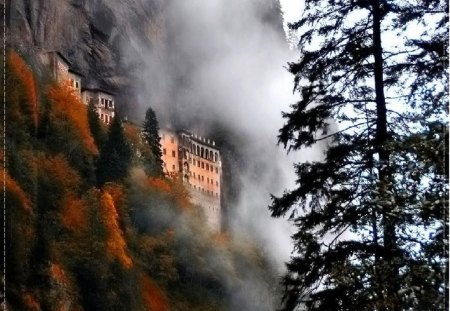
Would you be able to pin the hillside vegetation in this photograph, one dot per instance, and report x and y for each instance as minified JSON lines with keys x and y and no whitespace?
{"x":89,"y":229}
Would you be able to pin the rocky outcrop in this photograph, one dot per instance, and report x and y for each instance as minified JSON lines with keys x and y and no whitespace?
{"x":104,"y":39}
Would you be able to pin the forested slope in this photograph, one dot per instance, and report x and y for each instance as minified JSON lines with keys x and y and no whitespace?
{"x":82,"y":235}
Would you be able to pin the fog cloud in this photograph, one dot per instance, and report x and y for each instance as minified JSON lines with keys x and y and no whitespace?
{"x":223,"y":62}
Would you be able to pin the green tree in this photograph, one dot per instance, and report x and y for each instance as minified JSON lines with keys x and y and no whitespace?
{"x":95,"y":126}
{"x":370,"y":218}
{"x":151,"y":135}
{"x":115,"y":156}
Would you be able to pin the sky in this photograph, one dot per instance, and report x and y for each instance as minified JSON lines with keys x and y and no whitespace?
{"x":291,"y":11}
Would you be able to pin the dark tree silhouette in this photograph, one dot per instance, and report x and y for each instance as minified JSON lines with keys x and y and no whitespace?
{"x":154,"y":166}
{"x":95,"y":126}
{"x":370,"y":218}
{"x":115,"y":156}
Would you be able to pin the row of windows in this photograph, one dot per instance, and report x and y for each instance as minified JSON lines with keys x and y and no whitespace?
{"x":200,"y":151}
{"x":74,"y":83}
{"x":108,"y":103}
{"x":202,"y":178}
{"x":172,"y":139}
{"x":206,"y":191}
{"x":204,"y":153}
{"x":213,"y":208}
{"x":106,"y":118}
{"x":173,"y":166}
{"x":174,"y":154}
{"x":195,"y":149}
{"x":205,"y":166}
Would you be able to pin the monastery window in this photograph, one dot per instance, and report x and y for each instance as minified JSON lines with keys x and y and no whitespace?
{"x":212,"y":168}
{"x":216,"y":157}
{"x":193,"y":161}
{"x":164,"y":151}
{"x":198,"y":163}
{"x":76,"y":84}
{"x":206,"y":153}
{"x":110,"y":104}
{"x":207,"y":166}
{"x":172,"y":139}
{"x":211,"y":156}
{"x":203,"y":178}
{"x":217,"y":183}
{"x":185,"y":154}
{"x":202,"y":152}
{"x":173,"y":153}
{"x":203,"y":164}
{"x":173,"y":166}
{"x":195,"y":187}
{"x":207,"y":180}
{"x":193,"y":174}
{"x":102,"y":116}
{"x":217,"y":170}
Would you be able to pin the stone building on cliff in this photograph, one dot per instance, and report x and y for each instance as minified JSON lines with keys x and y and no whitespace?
{"x":63,"y":72}
{"x":197,"y":160}
{"x":103,"y":101}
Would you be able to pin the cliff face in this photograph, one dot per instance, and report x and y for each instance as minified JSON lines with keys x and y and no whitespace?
{"x":90,"y":33}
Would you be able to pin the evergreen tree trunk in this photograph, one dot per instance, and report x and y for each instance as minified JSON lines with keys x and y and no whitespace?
{"x":381,"y":139}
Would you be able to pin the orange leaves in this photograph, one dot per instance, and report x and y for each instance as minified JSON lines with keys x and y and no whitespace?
{"x":173,"y":189}
{"x":115,"y":242}
{"x":60,"y":173}
{"x":14,"y":189}
{"x":181,"y":195}
{"x":31,"y":302}
{"x":116,"y":192}
{"x":74,"y":213}
{"x":24,"y":74}
{"x":154,"y":297}
{"x":65,"y":105}
{"x":58,"y":274}
{"x":158,"y":184}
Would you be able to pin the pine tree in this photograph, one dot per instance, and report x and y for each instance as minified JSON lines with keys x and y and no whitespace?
{"x":95,"y":125}
{"x":151,"y":135}
{"x":370,"y":218}
{"x":115,"y":156}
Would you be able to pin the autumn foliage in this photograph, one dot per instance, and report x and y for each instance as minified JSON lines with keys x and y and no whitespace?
{"x":115,"y":242}
{"x":74,"y":213}
{"x":58,"y":273}
{"x":15,"y":190}
{"x":57,"y":171}
{"x":154,"y":297}
{"x":23,"y":73}
{"x":31,"y":302}
{"x":171,"y":189}
{"x":65,"y":105}
{"x":74,"y":243}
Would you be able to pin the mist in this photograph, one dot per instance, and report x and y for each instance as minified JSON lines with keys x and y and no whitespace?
{"x":218,"y":69}
{"x":221,"y":64}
